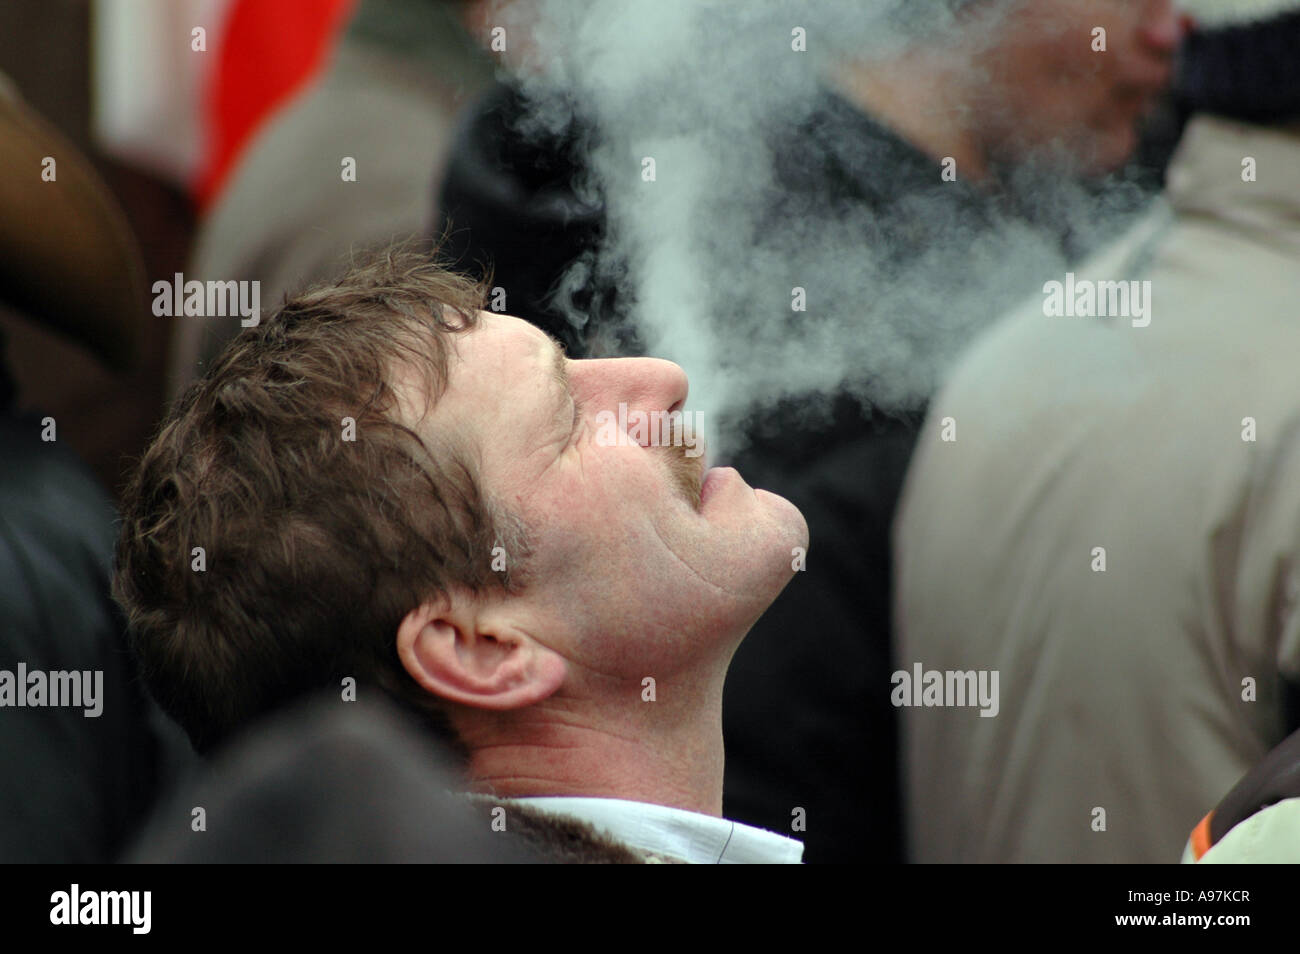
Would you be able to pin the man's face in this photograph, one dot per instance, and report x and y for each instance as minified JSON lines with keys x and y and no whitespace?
{"x":641,"y":563}
{"x":1053,"y":89}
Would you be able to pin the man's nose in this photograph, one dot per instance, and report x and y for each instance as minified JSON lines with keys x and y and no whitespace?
{"x":643,"y":384}
{"x":1164,"y":27}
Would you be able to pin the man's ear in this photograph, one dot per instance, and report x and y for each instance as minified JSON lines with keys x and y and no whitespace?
{"x":451,"y":649}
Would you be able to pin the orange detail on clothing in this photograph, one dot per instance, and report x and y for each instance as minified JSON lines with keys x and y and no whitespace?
{"x":1201,"y":842}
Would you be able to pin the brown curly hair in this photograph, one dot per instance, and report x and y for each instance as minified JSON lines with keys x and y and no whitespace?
{"x":315,"y":546}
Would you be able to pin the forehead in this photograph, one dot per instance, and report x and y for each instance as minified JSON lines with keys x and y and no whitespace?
{"x":503,"y":365}
{"x":501,"y":390}
{"x":502,"y":337}
{"x":486,"y":357}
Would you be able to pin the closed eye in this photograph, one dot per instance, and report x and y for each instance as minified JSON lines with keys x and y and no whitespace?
{"x":560,"y":372}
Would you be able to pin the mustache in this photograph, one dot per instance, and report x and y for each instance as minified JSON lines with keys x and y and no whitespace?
{"x":686,"y":471}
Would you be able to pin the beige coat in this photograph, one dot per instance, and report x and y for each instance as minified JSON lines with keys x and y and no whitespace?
{"x":1131,"y":698}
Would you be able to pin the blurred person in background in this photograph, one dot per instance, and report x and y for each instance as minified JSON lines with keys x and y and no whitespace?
{"x":1116,"y":527}
{"x":80,"y":767}
{"x":288,"y":217}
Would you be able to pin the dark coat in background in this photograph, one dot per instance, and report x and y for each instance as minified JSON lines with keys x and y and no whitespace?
{"x":73,"y":788}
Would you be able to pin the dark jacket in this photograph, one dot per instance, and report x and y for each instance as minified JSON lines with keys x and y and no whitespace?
{"x":324,"y":781}
{"x":73,"y":788}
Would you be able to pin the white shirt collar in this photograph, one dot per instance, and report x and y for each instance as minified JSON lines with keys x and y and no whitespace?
{"x":690,"y":836}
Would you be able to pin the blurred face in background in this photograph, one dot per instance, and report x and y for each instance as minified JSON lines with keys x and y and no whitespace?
{"x":1052,"y":86}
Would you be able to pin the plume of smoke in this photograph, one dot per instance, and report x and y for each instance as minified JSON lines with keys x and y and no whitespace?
{"x":715,"y":244}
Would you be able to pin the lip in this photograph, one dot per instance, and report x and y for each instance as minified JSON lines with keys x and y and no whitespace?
{"x":714,"y":478}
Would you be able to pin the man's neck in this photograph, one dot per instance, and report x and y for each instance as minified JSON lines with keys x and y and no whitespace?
{"x":916,"y":96}
{"x":668,"y":751}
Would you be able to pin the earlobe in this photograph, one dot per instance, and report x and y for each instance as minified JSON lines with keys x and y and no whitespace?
{"x":451,"y":653}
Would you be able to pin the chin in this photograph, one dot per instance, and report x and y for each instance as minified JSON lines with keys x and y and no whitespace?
{"x":1109,"y":150}
{"x":788,"y":514}
{"x":783,"y":550}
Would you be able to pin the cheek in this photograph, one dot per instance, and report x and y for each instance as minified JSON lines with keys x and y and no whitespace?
{"x":599,"y":534}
